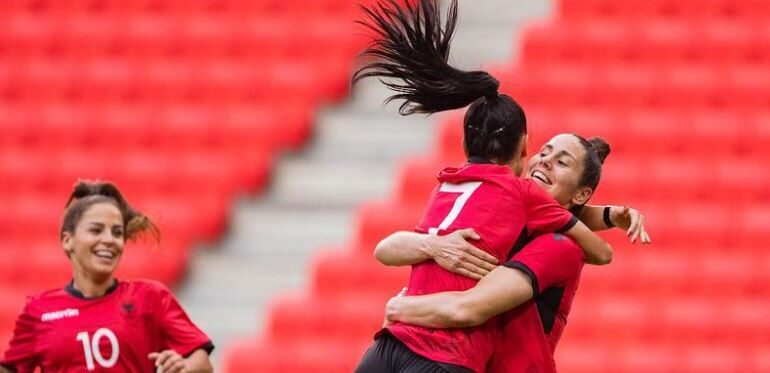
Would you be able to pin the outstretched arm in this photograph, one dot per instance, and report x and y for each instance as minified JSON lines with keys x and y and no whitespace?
{"x":503,"y":289}
{"x":622,"y":217}
{"x":452,"y":252}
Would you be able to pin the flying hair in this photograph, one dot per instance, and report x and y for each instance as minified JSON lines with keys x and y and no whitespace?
{"x":89,"y":193}
{"x":410,"y":53}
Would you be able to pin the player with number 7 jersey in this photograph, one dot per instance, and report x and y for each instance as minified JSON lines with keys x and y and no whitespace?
{"x":410,"y":51}
{"x":505,"y":210}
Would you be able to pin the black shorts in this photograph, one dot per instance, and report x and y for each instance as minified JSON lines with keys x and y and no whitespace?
{"x":389,"y":355}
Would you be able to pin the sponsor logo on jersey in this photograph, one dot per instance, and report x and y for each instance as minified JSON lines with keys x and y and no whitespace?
{"x":63,"y":314}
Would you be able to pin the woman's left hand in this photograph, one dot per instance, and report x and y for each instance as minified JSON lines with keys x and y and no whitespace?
{"x":387,"y":321}
{"x":169,"y":361}
{"x":632,"y":221}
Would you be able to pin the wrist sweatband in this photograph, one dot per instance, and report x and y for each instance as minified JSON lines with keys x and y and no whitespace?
{"x":607,"y":220}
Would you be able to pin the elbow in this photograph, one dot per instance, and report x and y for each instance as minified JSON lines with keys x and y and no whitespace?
{"x":605,"y":257}
{"x":464,"y":315}
{"x":381,"y":253}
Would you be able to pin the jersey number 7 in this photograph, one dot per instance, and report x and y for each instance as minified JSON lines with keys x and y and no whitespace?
{"x":465,"y":190}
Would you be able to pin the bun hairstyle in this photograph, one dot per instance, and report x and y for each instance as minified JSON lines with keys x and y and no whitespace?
{"x":597,"y":151}
{"x":87,"y":194}
{"x":410,"y":50}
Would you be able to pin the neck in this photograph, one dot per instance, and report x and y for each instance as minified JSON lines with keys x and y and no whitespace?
{"x":92,"y":286}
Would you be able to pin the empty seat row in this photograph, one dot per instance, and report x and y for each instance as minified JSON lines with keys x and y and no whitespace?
{"x":745,"y":10}
{"x":689,"y":86}
{"x":197,"y":38}
{"x":655,"y":42}
{"x":609,"y":356}
{"x":232,"y":8}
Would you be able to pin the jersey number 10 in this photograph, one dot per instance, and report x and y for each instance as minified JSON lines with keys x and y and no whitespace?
{"x":92,"y":351}
{"x":465,"y":190}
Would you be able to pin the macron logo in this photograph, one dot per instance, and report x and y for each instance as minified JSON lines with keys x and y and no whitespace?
{"x":56,"y":315}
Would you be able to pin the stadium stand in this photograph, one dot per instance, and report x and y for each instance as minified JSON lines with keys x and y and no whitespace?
{"x":184,"y":105}
{"x":680,"y":90}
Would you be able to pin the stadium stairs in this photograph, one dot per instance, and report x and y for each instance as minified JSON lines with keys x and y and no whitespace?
{"x":357,"y":145}
{"x":681,"y":90}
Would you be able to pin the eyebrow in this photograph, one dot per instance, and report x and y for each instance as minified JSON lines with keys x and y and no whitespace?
{"x":564,"y":152}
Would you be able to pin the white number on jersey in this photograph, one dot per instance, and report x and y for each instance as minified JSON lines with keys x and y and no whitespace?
{"x":92,"y":351}
{"x":465,"y":190}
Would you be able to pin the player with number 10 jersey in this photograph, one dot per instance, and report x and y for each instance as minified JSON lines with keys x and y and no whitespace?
{"x":97,"y":323}
{"x":62,"y":331}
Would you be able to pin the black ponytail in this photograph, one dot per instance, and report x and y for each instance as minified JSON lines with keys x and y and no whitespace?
{"x":411,"y":51}
{"x":411,"y":46}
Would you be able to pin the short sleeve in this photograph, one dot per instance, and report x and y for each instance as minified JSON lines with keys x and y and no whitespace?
{"x":22,"y":355}
{"x":179,"y":332}
{"x":543,"y":213}
{"x":550,"y":260}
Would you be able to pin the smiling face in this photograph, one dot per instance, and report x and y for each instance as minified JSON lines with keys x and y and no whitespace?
{"x":96,"y":243}
{"x":557,"y":168}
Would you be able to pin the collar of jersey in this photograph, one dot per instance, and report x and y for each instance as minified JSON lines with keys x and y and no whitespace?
{"x":478,"y":160}
{"x":70,"y":289}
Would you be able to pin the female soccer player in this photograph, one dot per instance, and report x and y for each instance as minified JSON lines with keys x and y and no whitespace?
{"x":485,"y":194}
{"x":547,"y":269}
{"x":97,"y":323}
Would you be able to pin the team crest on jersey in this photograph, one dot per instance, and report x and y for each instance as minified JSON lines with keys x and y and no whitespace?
{"x":57,"y":315}
{"x":128,"y":308}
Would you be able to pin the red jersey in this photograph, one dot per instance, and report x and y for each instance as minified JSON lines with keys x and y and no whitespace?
{"x":503,"y":209}
{"x":61,"y":331}
{"x":529,"y":333}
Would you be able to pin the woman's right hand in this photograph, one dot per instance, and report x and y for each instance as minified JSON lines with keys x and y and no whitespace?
{"x":454,"y":253}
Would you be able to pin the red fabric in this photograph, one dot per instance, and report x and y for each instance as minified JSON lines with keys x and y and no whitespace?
{"x":499,"y":209}
{"x":143,"y":316}
{"x":554,"y":261}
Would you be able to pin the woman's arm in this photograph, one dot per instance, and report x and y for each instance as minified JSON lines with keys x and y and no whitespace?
{"x":503,"y":289}
{"x":172,"y":362}
{"x":593,"y":217}
{"x":198,"y":362}
{"x":452,"y":252}
{"x":622,"y":217}
{"x":402,"y":249}
{"x":597,"y":250}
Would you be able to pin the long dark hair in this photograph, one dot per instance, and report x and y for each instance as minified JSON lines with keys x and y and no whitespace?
{"x":410,"y":49}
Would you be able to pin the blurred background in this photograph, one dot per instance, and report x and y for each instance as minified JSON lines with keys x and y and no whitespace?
{"x":231,"y":124}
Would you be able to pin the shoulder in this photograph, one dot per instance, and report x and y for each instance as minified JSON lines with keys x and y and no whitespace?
{"x":45,"y":298}
{"x":552,"y":248}
{"x":554,"y":241}
{"x":149,"y":288}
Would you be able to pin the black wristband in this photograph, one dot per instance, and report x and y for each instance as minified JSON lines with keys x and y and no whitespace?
{"x":607,"y":220}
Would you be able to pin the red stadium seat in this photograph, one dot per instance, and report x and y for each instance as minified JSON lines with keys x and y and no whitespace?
{"x":319,"y":355}
{"x":340,"y":318}
{"x":344,"y":273}
{"x":376,"y":220}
